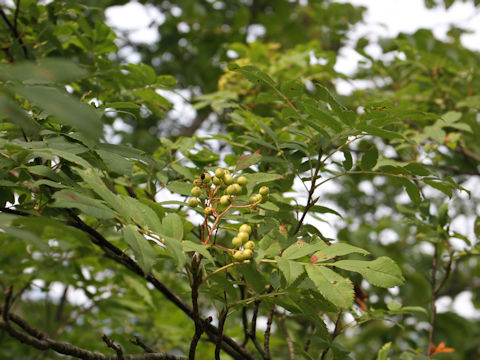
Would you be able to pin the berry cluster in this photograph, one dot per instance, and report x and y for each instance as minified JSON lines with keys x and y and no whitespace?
{"x":217,"y":194}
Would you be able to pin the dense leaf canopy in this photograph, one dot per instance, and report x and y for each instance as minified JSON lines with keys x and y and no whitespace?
{"x":129,"y":232}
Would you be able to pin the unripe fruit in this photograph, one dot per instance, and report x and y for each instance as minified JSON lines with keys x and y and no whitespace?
{"x":193,"y":202}
{"x":237,"y":189}
{"x":208,"y":183}
{"x":255,"y":198}
{"x":264,"y":198}
{"x":196,"y":191}
{"x":226,"y":172}
{"x":264,"y":190}
{"x":208,"y":211}
{"x":242,"y":180}
{"x":217,"y":181}
{"x":206,"y":178}
{"x":247,"y":254}
{"x":219,"y":173}
{"x":242,"y":235}
{"x":245,"y":228}
{"x":236,"y":242}
{"x":225,"y":200}
{"x":228,"y":179}
{"x":197,"y":182}
{"x":231,"y":190}
{"x":238,"y":255}
{"x":249,"y":245}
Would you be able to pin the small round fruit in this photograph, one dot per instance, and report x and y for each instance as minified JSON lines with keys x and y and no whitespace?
{"x":197,"y":182}
{"x":208,"y":183}
{"x":236,"y":242}
{"x":231,"y":190}
{"x":219,"y":173}
{"x":225,"y":200}
{"x":242,"y":180}
{"x":264,"y":198}
{"x":247,"y":254}
{"x":237,"y":189}
{"x":228,"y":179}
{"x":205,"y":178}
{"x":245,"y":228}
{"x":193,"y":202}
{"x":243,"y":236}
{"x":252,"y":199}
{"x":208,"y":211}
{"x":196,"y":191}
{"x":264,"y":190}
{"x":249,"y":245}
{"x":217,"y":181}
{"x":238,"y":255}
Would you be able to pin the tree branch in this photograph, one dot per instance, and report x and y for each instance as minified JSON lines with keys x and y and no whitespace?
{"x":13,"y":28}
{"x":288,"y":339}
{"x":267,"y":334}
{"x":39,"y":340}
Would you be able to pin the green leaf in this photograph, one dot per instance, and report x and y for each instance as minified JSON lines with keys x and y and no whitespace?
{"x":180,"y":187}
{"x":47,"y":70}
{"x":446,"y":189}
{"x":476,"y":227}
{"x":301,"y":248}
{"x":369,"y":159}
{"x":348,"y":162}
{"x":382,"y":272}
{"x":65,"y":108}
{"x":332,"y":286}
{"x":144,"y":253}
{"x":247,"y":160}
{"x":91,"y":207}
{"x":323,"y":210}
{"x":336,"y":249}
{"x":383,"y":352}
{"x":140,"y":288}
{"x":260,"y":177}
{"x":172,"y":233}
{"x":292,"y":88}
{"x":201,"y":249}
{"x":291,"y":270}
{"x":412,"y":191}
{"x":13,"y":113}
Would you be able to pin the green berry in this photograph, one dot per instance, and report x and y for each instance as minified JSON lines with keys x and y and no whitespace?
{"x":237,"y":189}
{"x":208,"y":211}
{"x":245,"y":228}
{"x":231,"y":190}
{"x":196,"y":191}
{"x":219,"y":173}
{"x":264,"y":198}
{"x":197,"y":182}
{"x":217,"y":181}
{"x":264,"y":190}
{"x":238,"y":255}
{"x":249,"y":245}
{"x":242,"y":180}
{"x":237,"y":242}
{"x":193,"y":202}
{"x":228,"y":179}
{"x":247,"y":254}
{"x":208,"y":183}
{"x":206,"y":178}
{"x":242,"y":235}
{"x":255,"y":198}
{"x":225,"y":200}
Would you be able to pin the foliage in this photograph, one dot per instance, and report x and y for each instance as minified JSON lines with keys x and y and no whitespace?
{"x":92,"y":242}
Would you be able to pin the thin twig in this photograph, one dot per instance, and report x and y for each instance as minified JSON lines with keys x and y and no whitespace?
{"x":145,"y":347}
{"x":288,"y":339}
{"x":267,"y":333}
{"x":196,"y":274}
{"x":111,"y":344}
{"x":221,"y":323}
{"x":335,"y":333}
{"x":433,"y":307}
{"x":13,"y":28}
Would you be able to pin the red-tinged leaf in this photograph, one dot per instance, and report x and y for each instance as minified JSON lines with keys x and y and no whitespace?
{"x":245,"y":161}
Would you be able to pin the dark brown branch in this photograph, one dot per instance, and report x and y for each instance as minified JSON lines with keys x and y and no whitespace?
{"x":6,"y":303}
{"x":145,"y":347}
{"x":110,"y":250}
{"x":267,"y":334}
{"x":336,"y":332}
{"x":244,"y":317}
{"x":111,"y":344}
{"x":433,"y":307}
{"x":253,"y":332}
{"x":13,"y":28}
{"x":39,"y":340}
{"x":13,"y":211}
{"x":221,"y":323}
{"x":15,"y":16}
{"x":196,"y":276}
{"x":310,"y":200}
{"x":288,"y":339}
